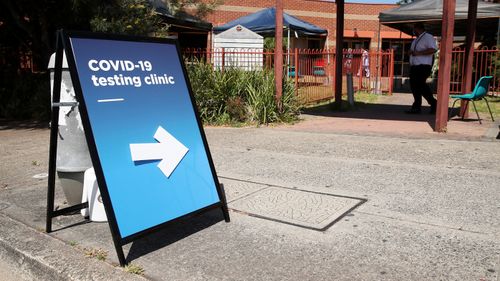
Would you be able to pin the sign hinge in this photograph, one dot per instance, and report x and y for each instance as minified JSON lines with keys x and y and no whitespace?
{"x":68,"y":103}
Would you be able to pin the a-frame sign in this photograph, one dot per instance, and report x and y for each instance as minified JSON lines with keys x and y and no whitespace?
{"x":147,"y":144}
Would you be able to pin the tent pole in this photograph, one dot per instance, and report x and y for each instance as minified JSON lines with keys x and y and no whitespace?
{"x":469,"y":55}
{"x":445,"y":48}
{"x":339,"y":42}
{"x":327,"y":51}
{"x":288,"y":53}
{"x":278,"y":53}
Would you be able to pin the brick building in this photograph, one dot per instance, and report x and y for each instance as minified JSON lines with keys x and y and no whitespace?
{"x":360,"y":28}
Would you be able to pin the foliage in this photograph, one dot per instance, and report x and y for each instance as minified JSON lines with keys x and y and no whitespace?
{"x":200,"y":8}
{"x":235,"y":96}
{"x":435,"y":65}
{"x":261,"y":99}
{"x":25,"y":96}
{"x":270,"y":42}
{"x":133,"y":17}
{"x":28,"y":27}
{"x":496,"y":63}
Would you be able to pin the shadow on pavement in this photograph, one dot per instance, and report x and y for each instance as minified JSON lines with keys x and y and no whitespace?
{"x":22,"y":125}
{"x":173,"y":233}
{"x":54,"y":229}
{"x":374,"y":111}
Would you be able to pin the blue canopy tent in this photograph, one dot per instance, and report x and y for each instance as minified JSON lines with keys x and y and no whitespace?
{"x":263,"y":22}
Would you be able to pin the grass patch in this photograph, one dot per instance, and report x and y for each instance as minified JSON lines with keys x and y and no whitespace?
{"x":364,"y":97}
{"x":361,"y":99}
{"x":494,"y":106}
{"x":482,"y":108}
{"x":99,"y":254}
{"x":324,"y":94}
{"x":134,"y":269}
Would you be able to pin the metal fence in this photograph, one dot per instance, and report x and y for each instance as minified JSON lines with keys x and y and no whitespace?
{"x":223,"y":58}
{"x":312,"y":70}
{"x":486,"y":62}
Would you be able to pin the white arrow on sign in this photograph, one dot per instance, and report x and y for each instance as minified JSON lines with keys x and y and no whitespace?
{"x":168,"y":149}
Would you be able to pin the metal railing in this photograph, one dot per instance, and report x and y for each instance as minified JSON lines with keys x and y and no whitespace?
{"x":312,"y":70}
{"x":222,"y":58}
{"x":314,"y":77}
{"x":486,"y":62}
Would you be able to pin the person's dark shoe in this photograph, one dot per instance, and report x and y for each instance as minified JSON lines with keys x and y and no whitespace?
{"x":414,"y":111}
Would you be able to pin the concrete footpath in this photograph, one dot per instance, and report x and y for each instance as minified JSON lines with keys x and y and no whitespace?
{"x":6,"y":273}
{"x":386,"y":117}
{"x":305,"y":205}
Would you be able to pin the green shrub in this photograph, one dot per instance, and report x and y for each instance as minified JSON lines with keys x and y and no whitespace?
{"x":261,"y":99}
{"x":239,"y":96}
{"x":26,"y":96}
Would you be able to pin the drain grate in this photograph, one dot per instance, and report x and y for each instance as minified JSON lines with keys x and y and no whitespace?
{"x":237,"y":189}
{"x":302,"y":208}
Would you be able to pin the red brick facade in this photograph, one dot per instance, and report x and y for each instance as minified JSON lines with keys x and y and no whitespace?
{"x":361,"y":20}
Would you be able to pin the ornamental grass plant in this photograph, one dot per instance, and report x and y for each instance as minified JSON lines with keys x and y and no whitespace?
{"x":236,"y":96}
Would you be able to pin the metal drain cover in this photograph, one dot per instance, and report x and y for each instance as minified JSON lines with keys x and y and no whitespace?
{"x":302,"y":208}
{"x":236,"y":189}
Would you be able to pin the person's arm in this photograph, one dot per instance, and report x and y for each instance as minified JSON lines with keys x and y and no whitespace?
{"x":425,"y":52}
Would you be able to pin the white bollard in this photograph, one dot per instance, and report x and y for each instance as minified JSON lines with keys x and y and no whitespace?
{"x":91,"y":194}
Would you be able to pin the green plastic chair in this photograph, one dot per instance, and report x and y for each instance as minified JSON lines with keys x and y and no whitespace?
{"x":478,"y":93}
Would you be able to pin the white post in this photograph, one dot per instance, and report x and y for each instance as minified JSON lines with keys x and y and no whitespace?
{"x":288,"y":54}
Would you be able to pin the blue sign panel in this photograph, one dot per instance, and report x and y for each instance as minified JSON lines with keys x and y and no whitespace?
{"x":148,"y":141}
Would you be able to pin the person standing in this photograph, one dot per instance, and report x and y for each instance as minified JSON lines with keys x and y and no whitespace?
{"x":365,"y":64}
{"x":421,"y":52}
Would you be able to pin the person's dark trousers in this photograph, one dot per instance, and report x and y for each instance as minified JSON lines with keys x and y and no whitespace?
{"x":419,"y":87}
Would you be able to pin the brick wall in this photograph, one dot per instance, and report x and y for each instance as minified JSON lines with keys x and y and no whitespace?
{"x":362,"y":17}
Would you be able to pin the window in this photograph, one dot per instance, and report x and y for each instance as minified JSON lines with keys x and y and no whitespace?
{"x":356,"y":43}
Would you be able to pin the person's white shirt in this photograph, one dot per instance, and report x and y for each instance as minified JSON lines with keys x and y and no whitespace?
{"x":423,"y":42}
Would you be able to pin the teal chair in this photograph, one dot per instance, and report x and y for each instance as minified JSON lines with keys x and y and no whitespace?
{"x":292,"y":72}
{"x":478,"y":93}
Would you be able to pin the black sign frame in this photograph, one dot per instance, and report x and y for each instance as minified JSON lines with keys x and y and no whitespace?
{"x":63,"y":44}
